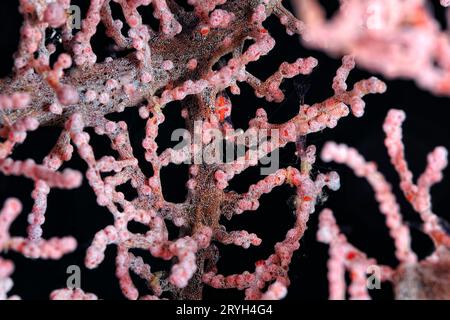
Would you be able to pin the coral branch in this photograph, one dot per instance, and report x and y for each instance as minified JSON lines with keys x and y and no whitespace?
{"x":405,"y":277}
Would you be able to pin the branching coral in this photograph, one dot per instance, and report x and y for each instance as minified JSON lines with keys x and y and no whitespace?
{"x":400,"y":39}
{"x":410,"y":277}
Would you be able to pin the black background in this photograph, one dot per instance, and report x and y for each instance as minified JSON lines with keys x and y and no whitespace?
{"x":75,"y":212}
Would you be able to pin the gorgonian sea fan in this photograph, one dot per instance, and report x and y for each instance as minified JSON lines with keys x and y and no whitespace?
{"x":198,"y":54}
